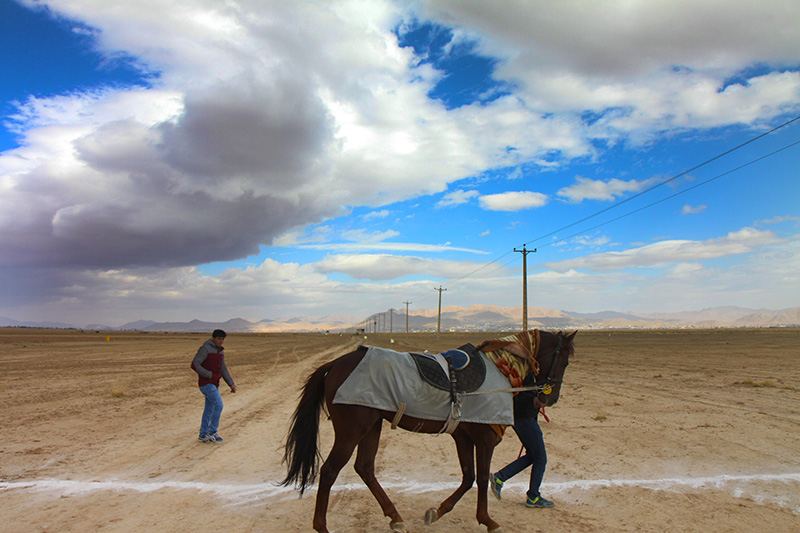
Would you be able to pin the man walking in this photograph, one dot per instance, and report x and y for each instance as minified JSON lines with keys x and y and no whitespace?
{"x":209,"y":363}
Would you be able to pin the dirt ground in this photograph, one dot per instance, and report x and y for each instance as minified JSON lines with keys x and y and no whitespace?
{"x":654,"y":431}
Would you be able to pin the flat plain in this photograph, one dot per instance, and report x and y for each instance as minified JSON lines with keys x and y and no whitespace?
{"x":657,"y":430}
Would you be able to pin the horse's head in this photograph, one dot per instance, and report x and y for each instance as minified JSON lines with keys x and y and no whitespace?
{"x":541,"y":353}
{"x":552,"y":356}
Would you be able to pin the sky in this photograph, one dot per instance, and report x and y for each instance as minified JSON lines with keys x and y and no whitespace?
{"x":173,"y":160}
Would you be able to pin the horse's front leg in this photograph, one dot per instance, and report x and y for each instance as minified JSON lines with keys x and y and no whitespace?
{"x":466,"y":458}
{"x":365,"y":466}
{"x":484,"y":451}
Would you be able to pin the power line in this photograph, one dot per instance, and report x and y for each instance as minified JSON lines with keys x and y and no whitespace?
{"x":676,"y":194}
{"x":621,"y":202}
{"x":664,"y":182}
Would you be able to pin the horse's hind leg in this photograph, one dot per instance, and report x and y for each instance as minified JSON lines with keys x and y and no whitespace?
{"x":484,"y":451}
{"x":365,"y":466}
{"x":340,"y":453}
{"x":466,"y":458}
{"x":350,"y":424}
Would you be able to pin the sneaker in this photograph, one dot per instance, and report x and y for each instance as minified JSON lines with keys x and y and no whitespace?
{"x":206,"y":438}
{"x":216,"y":437}
{"x":538,"y":503}
{"x":496,"y":485}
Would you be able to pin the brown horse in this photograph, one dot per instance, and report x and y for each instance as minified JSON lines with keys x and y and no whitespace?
{"x":359,"y":426}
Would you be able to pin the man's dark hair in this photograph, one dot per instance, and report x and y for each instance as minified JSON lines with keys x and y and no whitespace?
{"x":219,"y":333}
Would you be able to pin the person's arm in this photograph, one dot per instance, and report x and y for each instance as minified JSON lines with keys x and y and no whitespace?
{"x":227,"y":376}
{"x":197,"y":363}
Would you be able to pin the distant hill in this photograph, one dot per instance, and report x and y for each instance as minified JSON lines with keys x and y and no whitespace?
{"x":472,"y":318}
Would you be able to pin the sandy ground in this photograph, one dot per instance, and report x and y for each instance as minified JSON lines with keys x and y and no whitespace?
{"x":655,"y":431}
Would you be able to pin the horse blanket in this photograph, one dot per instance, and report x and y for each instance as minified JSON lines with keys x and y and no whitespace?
{"x":384,"y":379}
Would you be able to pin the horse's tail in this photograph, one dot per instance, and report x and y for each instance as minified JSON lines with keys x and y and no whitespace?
{"x":301,"y":452}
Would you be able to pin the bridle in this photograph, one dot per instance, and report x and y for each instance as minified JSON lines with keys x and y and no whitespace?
{"x":545,"y":386}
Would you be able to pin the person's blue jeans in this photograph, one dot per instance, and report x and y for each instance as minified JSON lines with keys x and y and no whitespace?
{"x":530,"y":434}
{"x":212,"y":411}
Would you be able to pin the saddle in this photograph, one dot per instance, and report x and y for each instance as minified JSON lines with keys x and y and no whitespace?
{"x":460,"y":370}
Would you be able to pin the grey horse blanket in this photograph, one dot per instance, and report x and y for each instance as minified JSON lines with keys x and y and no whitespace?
{"x":384,"y":379}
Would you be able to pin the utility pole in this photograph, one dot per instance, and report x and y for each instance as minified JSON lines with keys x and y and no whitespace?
{"x":406,"y":315}
{"x":439,"y":320}
{"x":391,"y":320}
{"x":524,"y":253}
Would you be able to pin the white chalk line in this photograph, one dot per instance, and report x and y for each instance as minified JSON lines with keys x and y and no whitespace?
{"x":256,"y":492}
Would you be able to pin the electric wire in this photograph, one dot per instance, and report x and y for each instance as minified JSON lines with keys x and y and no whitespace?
{"x":664,"y":182}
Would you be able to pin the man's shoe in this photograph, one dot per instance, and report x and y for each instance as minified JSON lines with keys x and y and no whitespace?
{"x":206,"y":438}
{"x":538,"y":503}
{"x":215,"y":437}
{"x":496,"y":485}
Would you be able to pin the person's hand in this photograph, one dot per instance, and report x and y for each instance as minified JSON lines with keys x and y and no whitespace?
{"x":233,"y":389}
{"x":537,"y":403}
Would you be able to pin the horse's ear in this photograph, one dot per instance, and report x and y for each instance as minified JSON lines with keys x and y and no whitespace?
{"x":571,"y":336}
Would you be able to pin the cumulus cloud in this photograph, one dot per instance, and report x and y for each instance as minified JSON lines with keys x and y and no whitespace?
{"x":665,"y":252}
{"x":637,"y":68}
{"x":513,"y":201}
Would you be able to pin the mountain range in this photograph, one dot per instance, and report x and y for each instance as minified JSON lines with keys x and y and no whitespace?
{"x":472,"y":318}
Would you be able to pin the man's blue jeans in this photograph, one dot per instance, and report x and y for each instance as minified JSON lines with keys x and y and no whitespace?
{"x":212,"y":411}
{"x":530,"y":434}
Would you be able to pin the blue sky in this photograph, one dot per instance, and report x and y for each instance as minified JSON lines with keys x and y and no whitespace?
{"x":175,"y":160}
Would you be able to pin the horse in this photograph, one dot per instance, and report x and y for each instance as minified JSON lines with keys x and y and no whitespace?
{"x":357,"y":426}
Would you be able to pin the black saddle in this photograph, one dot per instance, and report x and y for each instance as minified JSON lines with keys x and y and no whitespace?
{"x":466,"y":368}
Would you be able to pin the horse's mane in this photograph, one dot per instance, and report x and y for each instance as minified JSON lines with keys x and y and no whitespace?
{"x":514,"y":355}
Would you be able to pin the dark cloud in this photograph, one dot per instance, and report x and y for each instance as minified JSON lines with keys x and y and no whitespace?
{"x":273,"y":133}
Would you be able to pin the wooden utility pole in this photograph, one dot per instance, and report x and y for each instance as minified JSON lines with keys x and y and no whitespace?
{"x":391,"y":319}
{"x":524,"y":253}
{"x":439,"y":320}
{"x":406,"y":315}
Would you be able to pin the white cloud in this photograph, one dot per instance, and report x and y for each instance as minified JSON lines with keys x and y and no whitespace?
{"x":513,"y":201}
{"x":389,"y":247}
{"x":589,"y":189}
{"x":691,"y":210}
{"x":743,"y":241}
{"x":640,"y":67}
{"x":373,"y":215}
{"x":457,"y":197}
{"x":381,"y":267}
{"x":591,"y":240}
{"x":364,"y":236}
{"x":778,"y":220}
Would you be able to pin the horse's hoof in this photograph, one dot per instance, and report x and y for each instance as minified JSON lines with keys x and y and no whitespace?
{"x":431,"y":516}
{"x":399,"y":527}
{"x":495,"y":530}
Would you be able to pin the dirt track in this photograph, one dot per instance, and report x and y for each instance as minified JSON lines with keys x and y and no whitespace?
{"x":655,"y":431}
